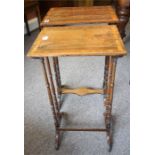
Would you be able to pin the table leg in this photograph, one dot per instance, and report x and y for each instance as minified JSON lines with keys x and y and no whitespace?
{"x":52,"y":87}
{"x":50,"y":94}
{"x":56,"y":121}
{"x":109,"y":98}
{"x":123,"y":11}
{"x":106,"y":72}
{"x":58,"y":77}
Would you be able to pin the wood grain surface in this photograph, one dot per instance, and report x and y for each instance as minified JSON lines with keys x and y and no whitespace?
{"x":82,"y":91}
{"x":77,"y":15}
{"x":78,"y":41}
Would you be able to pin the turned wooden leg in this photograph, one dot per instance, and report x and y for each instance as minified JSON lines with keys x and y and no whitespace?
{"x":53,"y":90}
{"x":106,"y":72}
{"x":52,"y":87}
{"x":56,"y":122}
{"x":58,"y":77}
{"x":108,"y":98}
{"x":123,"y":12}
{"x":52,"y":101}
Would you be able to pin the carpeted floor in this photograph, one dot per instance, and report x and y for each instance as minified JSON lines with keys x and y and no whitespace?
{"x":84,"y":111}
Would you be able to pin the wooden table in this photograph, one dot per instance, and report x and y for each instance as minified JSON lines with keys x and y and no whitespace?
{"x":77,"y":15}
{"x":78,"y":41}
{"x":122,"y":8}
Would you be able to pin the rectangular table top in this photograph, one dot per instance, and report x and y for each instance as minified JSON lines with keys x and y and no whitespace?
{"x":78,"y":41}
{"x":77,"y":15}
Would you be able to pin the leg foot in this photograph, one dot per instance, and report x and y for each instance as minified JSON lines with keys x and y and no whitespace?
{"x":110,"y":147}
{"x":109,"y":136}
{"x":57,"y":140}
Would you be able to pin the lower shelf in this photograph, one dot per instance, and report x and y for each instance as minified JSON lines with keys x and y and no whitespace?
{"x":84,"y":129}
{"x":82,"y":91}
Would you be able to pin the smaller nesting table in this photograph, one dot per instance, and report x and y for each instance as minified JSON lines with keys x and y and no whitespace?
{"x":78,"y":41}
{"x":78,"y":15}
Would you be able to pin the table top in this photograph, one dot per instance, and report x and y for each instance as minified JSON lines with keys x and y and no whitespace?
{"x":77,"y":15}
{"x":78,"y":41}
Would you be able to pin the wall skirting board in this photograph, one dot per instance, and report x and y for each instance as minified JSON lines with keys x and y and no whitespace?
{"x":33,"y":24}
